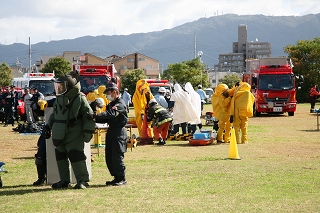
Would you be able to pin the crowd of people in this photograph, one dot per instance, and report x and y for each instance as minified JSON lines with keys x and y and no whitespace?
{"x":9,"y":102}
{"x":72,"y":123}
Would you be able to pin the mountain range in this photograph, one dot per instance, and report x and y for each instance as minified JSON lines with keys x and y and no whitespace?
{"x":213,"y":36}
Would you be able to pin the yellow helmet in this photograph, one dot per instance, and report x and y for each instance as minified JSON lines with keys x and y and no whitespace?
{"x":43,"y":104}
{"x":220,"y":88}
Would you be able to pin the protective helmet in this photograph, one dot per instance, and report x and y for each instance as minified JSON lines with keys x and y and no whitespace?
{"x":63,"y":84}
{"x":220,"y":88}
{"x":125,"y":89}
{"x":100,"y":102}
{"x":162,"y":89}
{"x":43,"y":104}
{"x":152,"y":101}
{"x":199,"y":86}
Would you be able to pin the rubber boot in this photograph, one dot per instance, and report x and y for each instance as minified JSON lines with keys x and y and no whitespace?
{"x":219,"y":135}
{"x":64,"y":173}
{"x":237,"y":133}
{"x":244,"y":137}
{"x":81,"y":173}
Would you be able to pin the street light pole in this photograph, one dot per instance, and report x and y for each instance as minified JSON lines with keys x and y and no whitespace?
{"x":200,"y":53}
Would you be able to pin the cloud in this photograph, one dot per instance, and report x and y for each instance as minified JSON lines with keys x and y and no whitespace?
{"x":68,"y":19}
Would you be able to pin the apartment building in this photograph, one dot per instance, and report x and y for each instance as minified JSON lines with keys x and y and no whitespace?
{"x":242,"y":49}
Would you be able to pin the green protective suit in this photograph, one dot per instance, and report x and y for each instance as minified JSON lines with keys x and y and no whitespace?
{"x":241,"y":109}
{"x":71,"y":128}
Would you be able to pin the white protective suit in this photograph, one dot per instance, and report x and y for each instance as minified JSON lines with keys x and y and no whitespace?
{"x":183,"y":109}
{"x":195,"y":112}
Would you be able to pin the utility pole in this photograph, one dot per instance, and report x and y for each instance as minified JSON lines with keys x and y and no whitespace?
{"x":195,"y":46}
{"x":29,"y":56}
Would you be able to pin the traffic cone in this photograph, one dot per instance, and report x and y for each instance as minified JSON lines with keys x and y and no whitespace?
{"x":145,"y":139}
{"x":233,"y":148}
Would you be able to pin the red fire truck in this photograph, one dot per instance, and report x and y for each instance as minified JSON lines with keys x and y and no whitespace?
{"x":273,"y":85}
{"x":92,"y":76}
{"x":154,"y":85}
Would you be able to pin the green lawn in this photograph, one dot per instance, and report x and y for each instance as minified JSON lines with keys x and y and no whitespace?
{"x":278,"y":172}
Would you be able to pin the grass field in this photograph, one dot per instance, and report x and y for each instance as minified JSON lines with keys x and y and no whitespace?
{"x":279,"y":171}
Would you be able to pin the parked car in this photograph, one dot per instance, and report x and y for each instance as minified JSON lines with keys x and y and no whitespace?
{"x":209,"y":93}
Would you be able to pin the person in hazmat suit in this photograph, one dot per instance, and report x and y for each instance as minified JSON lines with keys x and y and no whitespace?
{"x":220,"y":101}
{"x":183,"y":111}
{"x":240,"y":110}
{"x":98,"y":93}
{"x":140,"y":100}
{"x":196,"y":107}
{"x":116,"y":138}
{"x":71,"y":127}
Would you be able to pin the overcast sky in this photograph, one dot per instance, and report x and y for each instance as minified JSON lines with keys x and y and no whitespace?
{"x":44,"y":20}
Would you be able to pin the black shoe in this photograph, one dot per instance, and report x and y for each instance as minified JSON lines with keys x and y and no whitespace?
{"x":120,"y":181}
{"x":61,"y":185}
{"x":5,"y":125}
{"x":110,"y":183}
{"x":81,"y":185}
{"x":39,"y":182}
{"x":161,"y":142}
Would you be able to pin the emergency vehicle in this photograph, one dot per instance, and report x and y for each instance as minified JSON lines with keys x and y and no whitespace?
{"x":19,"y":94}
{"x":273,"y":84}
{"x":92,"y":76}
{"x":154,"y":85}
{"x":42,"y":81}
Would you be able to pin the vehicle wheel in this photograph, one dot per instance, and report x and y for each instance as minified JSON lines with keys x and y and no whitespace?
{"x":255,"y":113}
{"x":291,"y":113}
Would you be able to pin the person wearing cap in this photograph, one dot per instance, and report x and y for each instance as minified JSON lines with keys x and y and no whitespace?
{"x":160,"y":97}
{"x":161,"y":119}
{"x":127,"y":98}
{"x":116,"y":137}
{"x":36,"y":96}
{"x":202,"y":96}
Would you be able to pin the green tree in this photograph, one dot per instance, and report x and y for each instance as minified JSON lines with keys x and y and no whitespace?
{"x":58,"y":65}
{"x":305,"y":56}
{"x":5,"y":75}
{"x":130,"y":79}
{"x":187,"y":71}
{"x":230,"y":79}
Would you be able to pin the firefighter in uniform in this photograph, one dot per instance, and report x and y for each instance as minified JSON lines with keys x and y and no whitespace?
{"x":71,"y":127}
{"x":161,"y":119}
{"x":116,"y":137}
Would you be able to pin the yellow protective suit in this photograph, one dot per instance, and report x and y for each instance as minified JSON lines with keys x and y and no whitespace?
{"x":98,"y":93}
{"x":241,"y":109}
{"x":140,"y":100}
{"x":221,"y":109}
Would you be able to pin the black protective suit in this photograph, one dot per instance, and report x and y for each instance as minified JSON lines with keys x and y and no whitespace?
{"x":116,"y":137}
